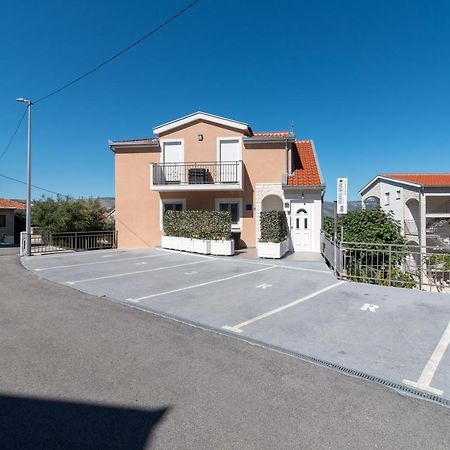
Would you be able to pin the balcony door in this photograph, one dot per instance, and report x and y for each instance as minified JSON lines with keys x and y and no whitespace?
{"x":229,"y":155}
{"x":173,"y":159}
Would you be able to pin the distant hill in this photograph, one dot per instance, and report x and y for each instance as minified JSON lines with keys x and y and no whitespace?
{"x":108,"y":203}
{"x":328,"y":207}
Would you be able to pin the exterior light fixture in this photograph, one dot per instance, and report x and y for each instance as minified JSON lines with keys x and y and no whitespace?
{"x":200,"y":137}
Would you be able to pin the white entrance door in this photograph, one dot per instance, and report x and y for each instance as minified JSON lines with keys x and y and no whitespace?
{"x":229,"y":154}
{"x":173,"y":158}
{"x":301,"y":227}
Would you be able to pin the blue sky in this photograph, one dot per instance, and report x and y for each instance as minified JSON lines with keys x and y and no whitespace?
{"x":369,"y":81}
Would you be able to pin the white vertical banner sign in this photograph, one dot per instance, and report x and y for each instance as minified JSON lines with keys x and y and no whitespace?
{"x":342,"y":184}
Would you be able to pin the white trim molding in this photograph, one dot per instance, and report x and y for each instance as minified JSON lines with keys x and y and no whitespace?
{"x":228,"y":138}
{"x":168,"y":141}
{"x":386,"y":178}
{"x":177,"y":201}
{"x":238,"y":200}
{"x":200,"y":116}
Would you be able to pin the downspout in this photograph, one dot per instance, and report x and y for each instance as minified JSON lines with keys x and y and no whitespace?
{"x":420,"y":238}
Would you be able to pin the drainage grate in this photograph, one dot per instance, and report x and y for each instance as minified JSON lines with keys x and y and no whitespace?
{"x":320,"y":362}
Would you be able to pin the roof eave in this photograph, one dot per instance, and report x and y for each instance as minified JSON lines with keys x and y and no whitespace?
{"x":304,"y":187}
{"x":113,"y":145}
{"x":199,"y":115}
{"x":272,"y":139}
{"x":317,"y":162}
{"x":384,"y":177}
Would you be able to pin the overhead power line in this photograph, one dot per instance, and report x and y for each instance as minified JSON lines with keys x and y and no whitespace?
{"x":8,"y":145}
{"x":36,"y":187}
{"x":121,"y":52}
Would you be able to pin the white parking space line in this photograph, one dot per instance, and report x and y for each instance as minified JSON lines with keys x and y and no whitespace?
{"x":428,"y":372}
{"x":238,"y":328}
{"x":134,"y":273}
{"x":179,"y":252}
{"x":206,"y":283}
{"x":281,"y":266}
{"x":101,"y":262}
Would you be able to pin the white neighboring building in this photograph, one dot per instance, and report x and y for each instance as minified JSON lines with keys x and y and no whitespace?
{"x":414,"y":200}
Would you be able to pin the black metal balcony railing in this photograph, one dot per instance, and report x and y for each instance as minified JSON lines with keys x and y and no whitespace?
{"x":225,"y":172}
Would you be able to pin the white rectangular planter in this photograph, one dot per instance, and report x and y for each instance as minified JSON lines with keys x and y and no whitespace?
{"x":272,"y":249}
{"x":202,"y":246}
{"x":222,"y":248}
{"x":185,"y":244}
{"x":167,"y":242}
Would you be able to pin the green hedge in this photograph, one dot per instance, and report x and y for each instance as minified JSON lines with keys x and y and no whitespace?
{"x":198,"y":224}
{"x":274,"y":227}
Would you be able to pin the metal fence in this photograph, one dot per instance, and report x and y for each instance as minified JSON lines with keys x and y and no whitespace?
{"x":70,"y":241}
{"x":408,"y":266}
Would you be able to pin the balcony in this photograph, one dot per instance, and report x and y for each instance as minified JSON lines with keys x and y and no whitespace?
{"x":198,"y":176}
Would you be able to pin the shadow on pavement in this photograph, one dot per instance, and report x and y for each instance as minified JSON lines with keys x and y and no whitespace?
{"x":28,"y":423}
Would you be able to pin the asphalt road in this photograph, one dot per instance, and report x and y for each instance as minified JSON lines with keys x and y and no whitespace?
{"x":79,"y":372}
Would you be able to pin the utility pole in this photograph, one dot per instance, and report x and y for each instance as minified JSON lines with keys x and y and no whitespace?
{"x":28,"y":211}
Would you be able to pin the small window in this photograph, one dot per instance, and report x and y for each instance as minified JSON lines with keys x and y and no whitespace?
{"x":234,"y":207}
{"x":386,"y":198}
{"x":398,"y":195}
{"x":306,"y":223}
{"x":171,"y":205}
{"x":2,"y":221}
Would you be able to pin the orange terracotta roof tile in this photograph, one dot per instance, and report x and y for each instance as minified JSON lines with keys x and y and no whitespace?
{"x":10,"y":204}
{"x":424,"y":179}
{"x":306,"y":171}
{"x":272,"y":134}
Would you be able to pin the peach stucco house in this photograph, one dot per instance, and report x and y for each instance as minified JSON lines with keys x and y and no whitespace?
{"x":206,"y":162}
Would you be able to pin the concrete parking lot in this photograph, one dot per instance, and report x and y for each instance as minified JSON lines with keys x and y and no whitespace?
{"x":393,"y":334}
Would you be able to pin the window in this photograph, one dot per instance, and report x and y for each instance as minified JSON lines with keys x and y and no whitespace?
{"x":386,"y":198}
{"x":2,"y":220}
{"x":178,"y":204}
{"x":172,"y":207}
{"x":234,"y":207}
{"x":398,"y":195}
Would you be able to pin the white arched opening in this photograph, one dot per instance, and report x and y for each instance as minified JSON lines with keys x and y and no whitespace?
{"x":272,"y":203}
{"x":372,"y":202}
{"x":412,"y":217}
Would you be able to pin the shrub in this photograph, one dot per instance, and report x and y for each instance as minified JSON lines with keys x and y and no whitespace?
{"x":370,"y":232}
{"x":198,"y":224}
{"x":367,"y":226}
{"x":274,"y":226}
{"x":68,"y":214}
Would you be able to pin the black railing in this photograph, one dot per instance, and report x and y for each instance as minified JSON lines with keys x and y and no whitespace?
{"x":226,"y":172}
{"x":78,"y":241}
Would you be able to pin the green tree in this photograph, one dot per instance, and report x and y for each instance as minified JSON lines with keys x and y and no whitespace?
{"x":375,"y":248}
{"x":372,"y":226}
{"x":68,"y":214}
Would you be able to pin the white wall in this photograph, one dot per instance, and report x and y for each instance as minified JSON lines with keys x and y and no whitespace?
{"x":312,"y":196}
{"x":398,"y":207}
{"x":314,"y":199}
